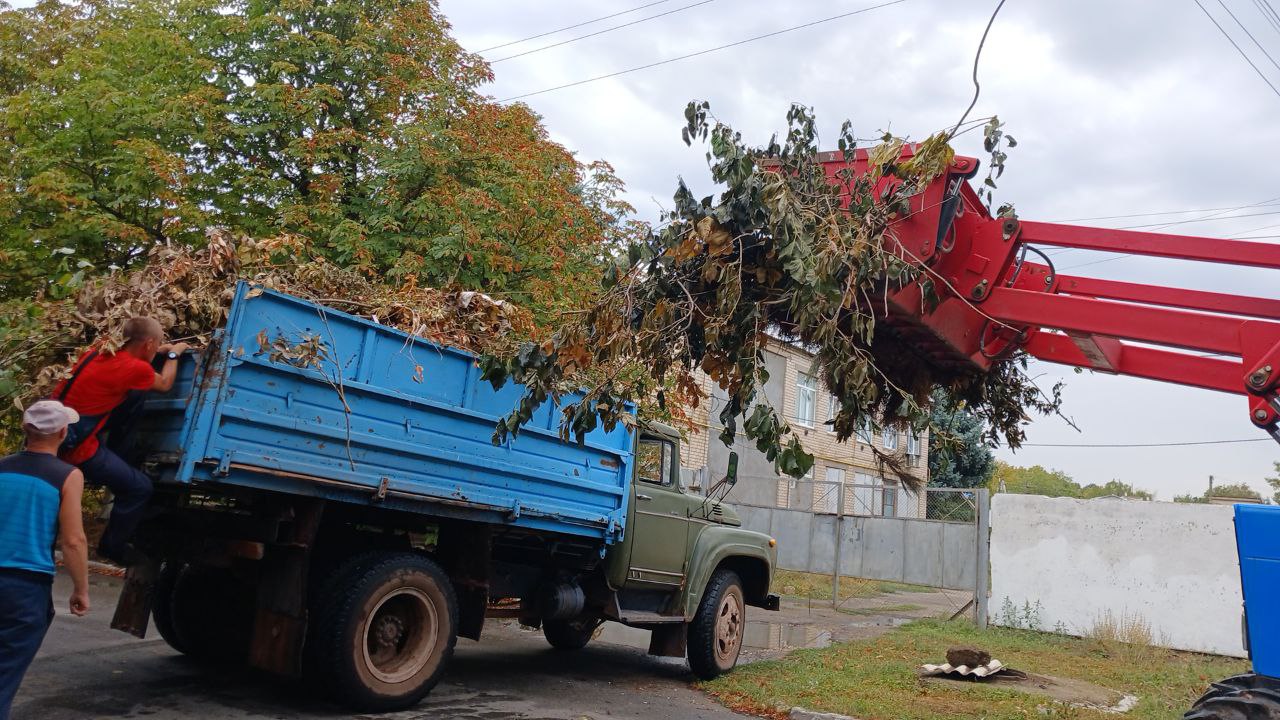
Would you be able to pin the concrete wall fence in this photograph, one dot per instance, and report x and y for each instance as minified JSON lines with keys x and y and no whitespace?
{"x":1070,"y":565}
{"x":920,"y":552}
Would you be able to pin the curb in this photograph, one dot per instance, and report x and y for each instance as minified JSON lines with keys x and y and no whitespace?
{"x":95,"y":567}
{"x":799,"y":713}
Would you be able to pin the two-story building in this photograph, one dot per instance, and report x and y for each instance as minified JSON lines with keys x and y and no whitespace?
{"x":848,"y":469}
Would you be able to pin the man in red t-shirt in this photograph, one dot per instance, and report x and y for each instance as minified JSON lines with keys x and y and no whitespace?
{"x":107,"y":390}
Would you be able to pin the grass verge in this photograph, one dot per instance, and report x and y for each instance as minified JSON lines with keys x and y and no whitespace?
{"x":876,"y":679}
{"x":803,"y":585}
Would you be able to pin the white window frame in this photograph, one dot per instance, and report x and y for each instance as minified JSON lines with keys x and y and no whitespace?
{"x":889,"y":491}
{"x":889,"y":437}
{"x":806,"y":399}
{"x":913,"y":446}
{"x":864,"y":432}
{"x":833,"y":408}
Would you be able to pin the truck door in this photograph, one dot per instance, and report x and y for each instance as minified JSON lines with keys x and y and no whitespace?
{"x":660,"y":522}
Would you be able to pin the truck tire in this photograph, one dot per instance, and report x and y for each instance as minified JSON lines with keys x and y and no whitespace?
{"x":1243,"y":697}
{"x":573,"y":634}
{"x":385,"y":629}
{"x":203,"y":612}
{"x":162,"y":605}
{"x":715,"y":635}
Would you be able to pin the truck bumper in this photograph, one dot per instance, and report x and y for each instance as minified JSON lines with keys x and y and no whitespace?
{"x":772,"y":602}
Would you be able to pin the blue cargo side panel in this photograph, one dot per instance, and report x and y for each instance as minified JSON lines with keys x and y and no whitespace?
{"x":1258,"y":541}
{"x":308,"y":392}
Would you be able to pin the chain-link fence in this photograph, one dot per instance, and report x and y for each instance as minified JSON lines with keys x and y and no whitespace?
{"x":875,"y":548}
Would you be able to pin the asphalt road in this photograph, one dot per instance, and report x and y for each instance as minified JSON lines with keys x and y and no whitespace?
{"x":87,"y":670}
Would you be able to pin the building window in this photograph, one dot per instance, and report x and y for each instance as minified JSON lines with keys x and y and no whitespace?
{"x":833,"y":409}
{"x":913,"y":447}
{"x":864,"y":431}
{"x":806,"y":399}
{"x":826,"y":496}
{"x":889,"y":504}
{"x":890,"y":438}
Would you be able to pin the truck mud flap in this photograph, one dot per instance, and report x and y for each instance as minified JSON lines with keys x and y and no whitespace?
{"x":133,"y":609}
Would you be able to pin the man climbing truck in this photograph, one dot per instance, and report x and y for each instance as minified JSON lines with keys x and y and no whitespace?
{"x":343,"y":513}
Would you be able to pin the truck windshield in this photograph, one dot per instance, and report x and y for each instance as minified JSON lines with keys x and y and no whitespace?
{"x":654,"y":461}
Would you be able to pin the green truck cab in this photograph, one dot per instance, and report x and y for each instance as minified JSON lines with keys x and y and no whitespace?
{"x":686,"y":569}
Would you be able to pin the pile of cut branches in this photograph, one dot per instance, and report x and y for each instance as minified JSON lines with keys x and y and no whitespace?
{"x":189,"y":292}
{"x":787,"y":251}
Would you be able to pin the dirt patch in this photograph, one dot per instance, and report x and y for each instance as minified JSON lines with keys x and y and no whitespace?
{"x":1065,"y":690}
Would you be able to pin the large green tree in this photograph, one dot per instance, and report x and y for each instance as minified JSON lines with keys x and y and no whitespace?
{"x":1037,"y":480}
{"x":959,"y":455}
{"x":1230,"y":490}
{"x":357,"y":124}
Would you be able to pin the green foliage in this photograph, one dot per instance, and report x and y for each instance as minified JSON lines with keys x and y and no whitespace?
{"x":1230,"y":490}
{"x":959,"y":456}
{"x":1274,"y":482}
{"x":783,"y":249}
{"x":357,"y":124}
{"x":1036,"y":480}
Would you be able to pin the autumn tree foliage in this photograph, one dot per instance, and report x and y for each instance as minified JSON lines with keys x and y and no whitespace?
{"x":358,"y":125}
{"x":781,"y":250}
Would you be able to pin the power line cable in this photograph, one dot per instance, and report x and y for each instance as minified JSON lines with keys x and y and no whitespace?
{"x":1197,"y":220}
{"x":1057,"y":252}
{"x":574,"y":26}
{"x":1251,"y":37}
{"x":1146,"y":445}
{"x":1151,"y":214}
{"x":1271,"y":12}
{"x":977,"y":89}
{"x":599,"y":32}
{"x":703,"y":52}
{"x":1272,"y":20}
{"x":1237,"y":47}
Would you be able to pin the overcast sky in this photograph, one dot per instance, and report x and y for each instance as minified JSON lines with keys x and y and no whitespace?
{"x":1119,"y":108}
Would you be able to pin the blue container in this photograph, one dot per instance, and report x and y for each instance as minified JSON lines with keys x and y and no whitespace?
{"x":1258,"y":541}
{"x":380,"y":418}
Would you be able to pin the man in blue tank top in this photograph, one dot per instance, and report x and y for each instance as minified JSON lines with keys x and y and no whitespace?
{"x":39,"y":505}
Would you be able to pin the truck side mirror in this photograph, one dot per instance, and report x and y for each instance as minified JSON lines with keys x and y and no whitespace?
{"x":731,"y":472}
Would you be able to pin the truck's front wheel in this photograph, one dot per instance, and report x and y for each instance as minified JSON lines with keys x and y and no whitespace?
{"x":385,"y":631}
{"x":715,"y":635}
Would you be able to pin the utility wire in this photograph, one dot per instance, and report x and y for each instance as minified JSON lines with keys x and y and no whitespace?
{"x":1267,"y":14}
{"x":1152,"y":214}
{"x":574,"y":26}
{"x":599,"y":32}
{"x":1237,"y":47}
{"x":1251,"y":37}
{"x":977,"y":89}
{"x":1196,"y":220}
{"x":703,"y":52}
{"x":1146,"y":445}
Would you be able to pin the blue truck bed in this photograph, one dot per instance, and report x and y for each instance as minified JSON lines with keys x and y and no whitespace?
{"x":299,"y":398}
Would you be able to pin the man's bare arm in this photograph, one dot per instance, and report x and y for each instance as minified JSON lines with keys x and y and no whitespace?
{"x":72,"y":540}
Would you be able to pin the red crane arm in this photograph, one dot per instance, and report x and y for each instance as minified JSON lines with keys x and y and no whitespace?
{"x":996,"y":299}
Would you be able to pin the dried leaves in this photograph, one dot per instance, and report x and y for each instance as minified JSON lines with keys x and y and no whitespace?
{"x":189,"y":292}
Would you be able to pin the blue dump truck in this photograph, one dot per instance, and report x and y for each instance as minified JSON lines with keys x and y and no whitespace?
{"x":1255,"y":695}
{"x":329,"y":503}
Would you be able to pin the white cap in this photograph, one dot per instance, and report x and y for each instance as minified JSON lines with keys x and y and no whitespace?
{"x":49,"y":416}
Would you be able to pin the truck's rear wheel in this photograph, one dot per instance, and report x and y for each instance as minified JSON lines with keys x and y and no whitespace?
{"x":385,"y":631}
{"x":203,"y":612}
{"x":571,"y":634}
{"x":1243,"y":697}
{"x":715,"y":635}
